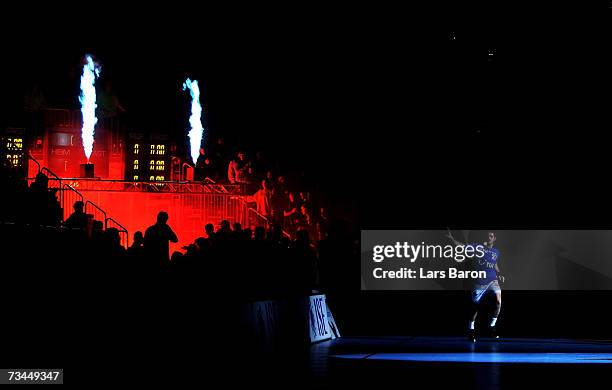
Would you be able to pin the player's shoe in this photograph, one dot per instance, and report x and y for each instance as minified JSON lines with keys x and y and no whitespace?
{"x":471,"y":335}
{"x":493,"y":332}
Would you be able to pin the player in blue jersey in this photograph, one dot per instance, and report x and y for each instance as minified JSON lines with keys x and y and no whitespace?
{"x":488,"y":284}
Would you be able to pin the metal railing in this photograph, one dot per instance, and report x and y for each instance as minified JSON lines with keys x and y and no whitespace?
{"x":68,"y":195}
{"x":250,"y":217}
{"x":31,"y":158}
{"x":95,"y":210}
{"x":156,"y":186}
{"x":47,"y":172}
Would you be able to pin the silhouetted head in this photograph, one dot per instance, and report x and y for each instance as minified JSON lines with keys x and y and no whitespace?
{"x":237,"y":226}
{"x":78,"y":206}
{"x":41,"y":181}
{"x":247,"y":233}
{"x":224,"y":226}
{"x":113,"y":236}
{"x":162,"y":217}
{"x":241,"y":156}
{"x":138,"y":238}
{"x":260,"y":233}
{"x":269,"y":175}
{"x":209,"y":229}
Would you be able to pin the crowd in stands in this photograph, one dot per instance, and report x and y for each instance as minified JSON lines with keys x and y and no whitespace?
{"x":75,"y":279}
{"x":261,"y":263}
{"x":279,"y":202}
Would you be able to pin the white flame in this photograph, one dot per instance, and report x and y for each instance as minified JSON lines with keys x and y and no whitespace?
{"x":88,"y":104}
{"x":195,"y":120}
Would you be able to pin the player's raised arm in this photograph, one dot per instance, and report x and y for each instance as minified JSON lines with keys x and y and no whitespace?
{"x":450,"y":236}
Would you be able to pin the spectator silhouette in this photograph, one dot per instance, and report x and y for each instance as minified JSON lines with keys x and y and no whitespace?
{"x":136,"y":251}
{"x":260,"y":233}
{"x":43,"y":207}
{"x":291,"y":212}
{"x":305,"y":221}
{"x":78,"y":219}
{"x":204,"y":243}
{"x":239,"y":169}
{"x":263,"y":200}
{"x":224,"y":229}
{"x":157,"y":239}
{"x":113,"y":248}
{"x":237,"y":232}
{"x":210,"y":230}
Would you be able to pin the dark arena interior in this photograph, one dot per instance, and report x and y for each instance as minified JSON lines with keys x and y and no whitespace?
{"x":200,"y":196}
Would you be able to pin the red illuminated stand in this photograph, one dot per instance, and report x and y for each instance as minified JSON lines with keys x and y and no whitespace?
{"x":157,"y":180}
{"x":190,"y":205}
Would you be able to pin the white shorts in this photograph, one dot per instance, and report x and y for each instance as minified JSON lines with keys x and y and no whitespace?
{"x":480,"y":290}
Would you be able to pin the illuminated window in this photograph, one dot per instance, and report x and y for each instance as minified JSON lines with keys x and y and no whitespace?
{"x":136,"y":148}
{"x":13,"y":159}
{"x":152,"y":165}
{"x":135,"y":177}
{"x":14,"y":144}
{"x":152,"y":150}
{"x":161,"y":149}
{"x":159,"y":165}
{"x":152,"y":178}
{"x":159,"y":178}
{"x":135,"y":164}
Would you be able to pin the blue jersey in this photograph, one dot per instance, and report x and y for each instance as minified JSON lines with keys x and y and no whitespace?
{"x":487,"y":263}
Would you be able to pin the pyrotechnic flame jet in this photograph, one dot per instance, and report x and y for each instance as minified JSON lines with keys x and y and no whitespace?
{"x":195,"y":120}
{"x":91,"y":71}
